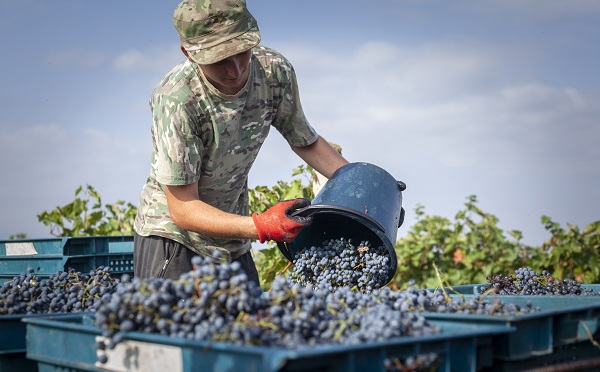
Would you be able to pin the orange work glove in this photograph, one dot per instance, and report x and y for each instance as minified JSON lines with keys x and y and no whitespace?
{"x":276,"y":223}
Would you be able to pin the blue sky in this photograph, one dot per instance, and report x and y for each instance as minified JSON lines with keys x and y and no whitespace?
{"x":455,"y":98}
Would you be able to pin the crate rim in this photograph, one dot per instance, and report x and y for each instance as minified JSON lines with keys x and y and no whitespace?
{"x":63,"y":239}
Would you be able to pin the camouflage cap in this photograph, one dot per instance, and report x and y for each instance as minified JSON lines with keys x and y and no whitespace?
{"x":212,"y":30}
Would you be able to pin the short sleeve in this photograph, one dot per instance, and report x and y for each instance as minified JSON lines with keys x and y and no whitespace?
{"x":289,"y":119}
{"x":178,"y":151}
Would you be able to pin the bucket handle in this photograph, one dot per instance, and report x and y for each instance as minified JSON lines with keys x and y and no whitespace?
{"x":402,"y":187}
{"x":401,"y":219}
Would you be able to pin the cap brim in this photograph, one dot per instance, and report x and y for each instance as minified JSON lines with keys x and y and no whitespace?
{"x":228,"y":48}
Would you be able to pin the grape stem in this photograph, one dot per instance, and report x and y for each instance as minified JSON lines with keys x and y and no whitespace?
{"x":437,"y":274}
{"x":589,"y":333}
{"x":289,"y":264}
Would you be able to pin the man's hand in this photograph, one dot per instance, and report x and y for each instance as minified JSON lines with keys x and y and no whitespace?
{"x":277,"y":224}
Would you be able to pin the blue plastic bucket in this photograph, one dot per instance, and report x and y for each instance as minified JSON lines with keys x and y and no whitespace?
{"x":360,"y":202}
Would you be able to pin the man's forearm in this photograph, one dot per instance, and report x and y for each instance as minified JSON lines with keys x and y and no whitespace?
{"x":190,"y":213}
{"x":321,"y":156}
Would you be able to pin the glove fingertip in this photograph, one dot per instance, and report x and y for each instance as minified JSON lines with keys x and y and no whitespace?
{"x":304,"y":202}
{"x":300,"y":203}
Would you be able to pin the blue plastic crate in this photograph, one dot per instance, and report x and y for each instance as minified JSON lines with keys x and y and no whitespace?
{"x":69,"y":343}
{"x":13,"y":344}
{"x":562,"y":320}
{"x":13,"y":330}
{"x":12,"y":333}
{"x":17,"y":362}
{"x":68,"y":246}
{"x":60,"y":254}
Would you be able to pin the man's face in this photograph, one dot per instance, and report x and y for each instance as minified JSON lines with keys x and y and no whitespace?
{"x":229,"y":75}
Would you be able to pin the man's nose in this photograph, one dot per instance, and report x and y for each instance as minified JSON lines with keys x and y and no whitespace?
{"x":234,"y":70}
{"x":235,"y":67}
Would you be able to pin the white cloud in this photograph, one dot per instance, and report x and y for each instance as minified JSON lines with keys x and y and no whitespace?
{"x":129,"y":60}
{"x":450,"y":97}
{"x":382,"y":79}
{"x":44,"y":164}
{"x":156,"y":59}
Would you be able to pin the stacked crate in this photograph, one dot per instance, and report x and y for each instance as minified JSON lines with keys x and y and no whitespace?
{"x":83,"y":254}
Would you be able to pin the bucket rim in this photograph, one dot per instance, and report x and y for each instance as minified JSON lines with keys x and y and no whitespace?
{"x":331,"y":208}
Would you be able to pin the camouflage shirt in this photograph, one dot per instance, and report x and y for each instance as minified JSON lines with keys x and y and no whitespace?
{"x":200,"y":134}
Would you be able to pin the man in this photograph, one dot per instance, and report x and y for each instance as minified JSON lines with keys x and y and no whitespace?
{"x":211,"y":114}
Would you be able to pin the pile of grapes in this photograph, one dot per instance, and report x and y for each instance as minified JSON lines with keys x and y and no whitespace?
{"x":336,"y":295}
{"x":528,"y":282}
{"x":338,"y":263}
{"x":423,"y":300}
{"x":217,"y":303}
{"x":63,"y":292}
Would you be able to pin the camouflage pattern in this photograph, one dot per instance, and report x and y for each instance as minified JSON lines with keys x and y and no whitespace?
{"x":212,"y":30}
{"x":200,"y":134}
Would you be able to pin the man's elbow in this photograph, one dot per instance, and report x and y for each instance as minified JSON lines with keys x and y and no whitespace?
{"x":179,"y":218}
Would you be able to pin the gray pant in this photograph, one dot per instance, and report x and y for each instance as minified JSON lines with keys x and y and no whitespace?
{"x":158,"y":257}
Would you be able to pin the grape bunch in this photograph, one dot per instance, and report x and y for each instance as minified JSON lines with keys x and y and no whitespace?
{"x":528,"y":282}
{"x":423,"y":300}
{"x":339,"y":263}
{"x":63,"y":292}
{"x":421,"y":362}
{"x":216,"y":302}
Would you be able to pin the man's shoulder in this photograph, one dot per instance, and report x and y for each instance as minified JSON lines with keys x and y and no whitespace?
{"x":263,"y":50}
{"x":270,"y":57}
{"x":274,"y":64}
{"x":176,"y":83}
